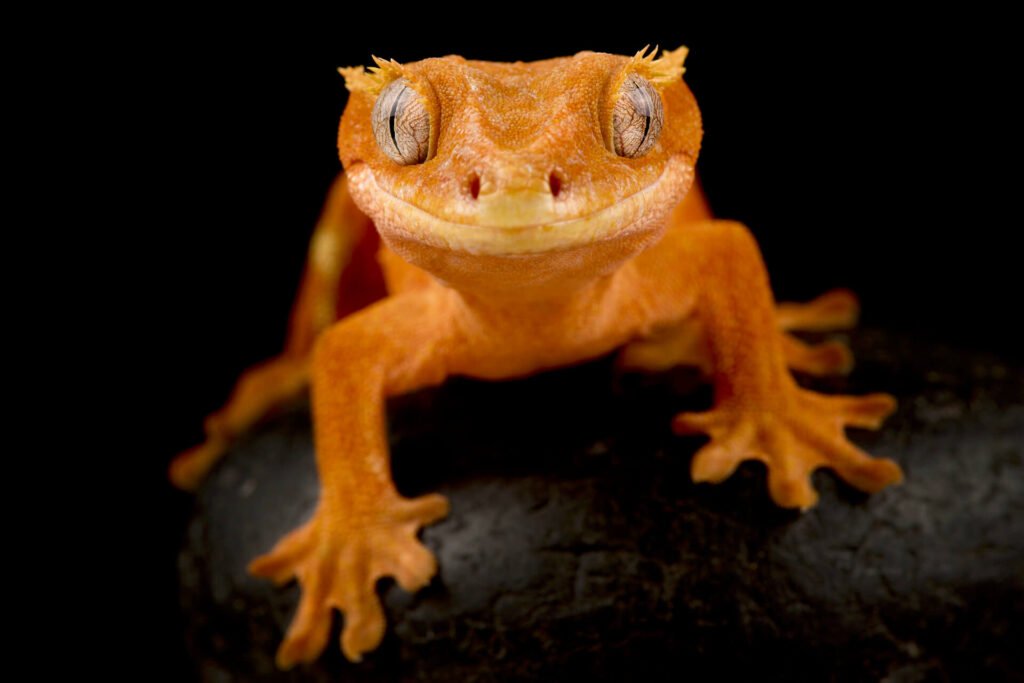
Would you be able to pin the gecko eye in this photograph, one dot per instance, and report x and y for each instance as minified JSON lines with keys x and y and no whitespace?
{"x":401,"y":123}
{"x":636,"y":117}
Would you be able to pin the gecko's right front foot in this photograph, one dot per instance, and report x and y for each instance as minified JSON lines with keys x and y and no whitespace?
{"x":338,"y":562}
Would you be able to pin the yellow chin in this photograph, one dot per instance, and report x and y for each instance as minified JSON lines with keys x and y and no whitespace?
{"x":401,"y":220}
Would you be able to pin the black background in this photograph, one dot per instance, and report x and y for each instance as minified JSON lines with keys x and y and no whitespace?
{"x":863,"y":150}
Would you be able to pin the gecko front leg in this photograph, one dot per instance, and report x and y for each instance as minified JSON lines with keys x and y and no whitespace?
{"x":362,"y":529}
{"x":760,"y":412}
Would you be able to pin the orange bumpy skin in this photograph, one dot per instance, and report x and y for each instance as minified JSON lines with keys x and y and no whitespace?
{"x":531,"y":216}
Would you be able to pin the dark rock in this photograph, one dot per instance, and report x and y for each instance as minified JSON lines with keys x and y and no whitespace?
{"x":577,"y":546}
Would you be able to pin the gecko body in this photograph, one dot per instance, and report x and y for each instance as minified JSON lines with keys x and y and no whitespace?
{"x":530,"y":215}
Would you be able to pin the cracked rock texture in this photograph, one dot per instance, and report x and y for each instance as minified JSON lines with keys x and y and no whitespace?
{"x":577,"y":546}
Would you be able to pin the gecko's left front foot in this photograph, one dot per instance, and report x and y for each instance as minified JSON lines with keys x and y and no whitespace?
{"x":793,"y":435}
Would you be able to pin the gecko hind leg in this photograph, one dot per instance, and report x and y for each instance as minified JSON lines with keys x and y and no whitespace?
{"x":259,"y":392}
{"x":834,"y":310}
{"x":684,"y":344}
{"x":341,"y":276}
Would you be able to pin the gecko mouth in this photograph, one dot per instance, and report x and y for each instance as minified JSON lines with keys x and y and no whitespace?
{"x":642,"y":210}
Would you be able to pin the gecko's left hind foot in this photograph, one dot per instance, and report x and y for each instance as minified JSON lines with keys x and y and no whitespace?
{"x":819,"y":360}
{"x":834,"y":310}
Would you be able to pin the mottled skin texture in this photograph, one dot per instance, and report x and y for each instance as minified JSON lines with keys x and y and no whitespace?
{"x":523,"y":243}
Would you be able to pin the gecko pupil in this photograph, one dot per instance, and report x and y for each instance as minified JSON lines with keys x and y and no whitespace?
{"x":393,"y":116}
{"x":643,"y":106}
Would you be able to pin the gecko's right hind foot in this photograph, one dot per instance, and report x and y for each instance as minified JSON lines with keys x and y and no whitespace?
{"x":189,"y":468}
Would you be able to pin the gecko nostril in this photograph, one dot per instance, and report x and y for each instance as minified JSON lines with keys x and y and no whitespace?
{"x":474,"y":185}
{"x":555,"y":183}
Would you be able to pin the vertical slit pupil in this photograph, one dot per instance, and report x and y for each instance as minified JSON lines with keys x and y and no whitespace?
{"x":394,"y":115}
{"x":642,"y":104}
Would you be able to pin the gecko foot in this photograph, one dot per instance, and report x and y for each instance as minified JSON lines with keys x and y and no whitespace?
{"x":260,"y":390}
{"x":188,"y":469}
{"x":793,"y":436}
{"x":338,"y":565}
{"x":819,"y":360}
{"x":834,"y":310}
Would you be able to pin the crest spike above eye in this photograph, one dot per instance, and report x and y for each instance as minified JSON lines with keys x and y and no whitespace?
{"x":371,"y":79}
{"x":668,"y":68}
{"x":645,"y":55}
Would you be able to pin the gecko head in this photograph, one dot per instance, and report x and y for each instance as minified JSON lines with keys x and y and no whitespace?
{"x":516,"y":174}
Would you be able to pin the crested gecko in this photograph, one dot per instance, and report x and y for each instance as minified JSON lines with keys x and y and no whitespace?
{"x":494,"y":220}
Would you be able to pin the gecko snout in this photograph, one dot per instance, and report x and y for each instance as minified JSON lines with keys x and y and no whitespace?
{"x":515,"y":196}
{"x":555,"y":185}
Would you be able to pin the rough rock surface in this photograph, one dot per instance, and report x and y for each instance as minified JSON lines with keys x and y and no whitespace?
{"x":577,"y":546}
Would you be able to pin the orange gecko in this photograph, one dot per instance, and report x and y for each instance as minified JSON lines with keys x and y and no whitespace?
{"x":530,"y":215}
